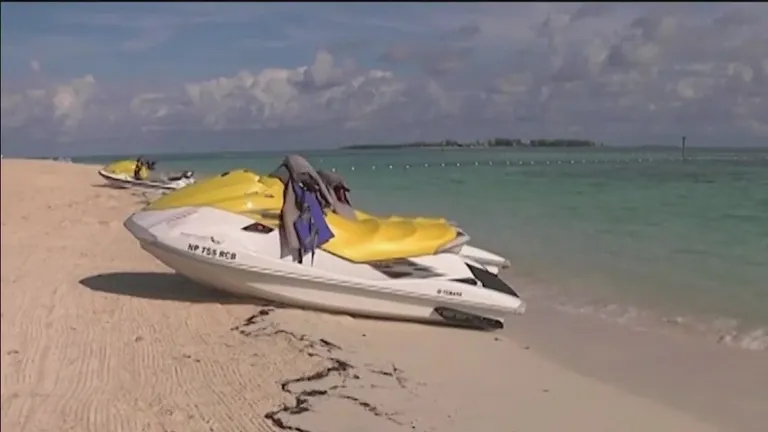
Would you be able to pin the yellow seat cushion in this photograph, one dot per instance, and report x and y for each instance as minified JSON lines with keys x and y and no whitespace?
{"x":362,"y":215}
{"x":374,"y":239}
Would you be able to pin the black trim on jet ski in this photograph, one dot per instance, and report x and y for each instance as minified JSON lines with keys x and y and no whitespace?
{"x":404,"y":268}
{"x":466,"y":319}
{"x":181,"y":176}
{"x":491,"y":281}
{"x":258,"y":228}
{"x":468,"y":281}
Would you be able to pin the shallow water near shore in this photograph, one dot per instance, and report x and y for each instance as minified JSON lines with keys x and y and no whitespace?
{"x":635,"y":235}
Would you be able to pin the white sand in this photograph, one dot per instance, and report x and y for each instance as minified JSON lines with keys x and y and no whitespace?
{"x":97,"y":336}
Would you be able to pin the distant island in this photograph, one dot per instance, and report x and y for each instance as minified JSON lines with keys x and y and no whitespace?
{"x":489,"y":143}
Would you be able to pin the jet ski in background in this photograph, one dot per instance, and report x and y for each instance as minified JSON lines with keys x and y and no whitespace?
{"x":140,"y":173}
{"x":287,"y":238}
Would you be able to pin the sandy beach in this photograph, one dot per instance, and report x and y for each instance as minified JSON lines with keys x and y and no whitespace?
{"x":98,"y":336}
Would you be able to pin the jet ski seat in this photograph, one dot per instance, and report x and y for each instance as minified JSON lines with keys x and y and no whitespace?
{"x":125,"y":167}
{"x":375,"y":239}
{"x":340,"y":190}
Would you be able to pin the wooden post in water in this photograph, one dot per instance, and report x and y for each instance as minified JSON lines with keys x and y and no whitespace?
{"x":682,"y":150}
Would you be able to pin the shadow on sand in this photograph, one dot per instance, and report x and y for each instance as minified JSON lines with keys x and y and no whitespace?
{"x":161,"y":286}
{"x":173,"y":287}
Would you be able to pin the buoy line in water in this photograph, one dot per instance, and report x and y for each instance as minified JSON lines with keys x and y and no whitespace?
{"x":548,"y":162}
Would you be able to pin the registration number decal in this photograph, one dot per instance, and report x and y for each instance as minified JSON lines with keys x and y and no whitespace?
{"x":211,"y":252}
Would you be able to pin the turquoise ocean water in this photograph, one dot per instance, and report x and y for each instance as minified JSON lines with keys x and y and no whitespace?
{"x":630,"y":232}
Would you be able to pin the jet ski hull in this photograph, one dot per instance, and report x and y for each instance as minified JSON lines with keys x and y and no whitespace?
{"x":123,"y":181}
{"x":209,"y":246}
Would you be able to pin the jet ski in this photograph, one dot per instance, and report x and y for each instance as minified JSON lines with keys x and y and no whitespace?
{"x":141,"y":174}
{"x":287,"y":238}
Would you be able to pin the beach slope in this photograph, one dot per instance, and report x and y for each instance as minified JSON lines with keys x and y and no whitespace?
{"x":98,"y":336}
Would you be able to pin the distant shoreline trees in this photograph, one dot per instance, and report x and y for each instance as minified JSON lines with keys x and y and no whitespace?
{"x":489,"y":143}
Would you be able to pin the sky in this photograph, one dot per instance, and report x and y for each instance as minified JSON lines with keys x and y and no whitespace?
{"x":100,"y":78}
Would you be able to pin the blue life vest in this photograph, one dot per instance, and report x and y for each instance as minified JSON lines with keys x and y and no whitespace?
{"x":311,"y":228}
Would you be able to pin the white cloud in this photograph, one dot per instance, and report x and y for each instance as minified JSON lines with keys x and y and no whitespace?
{"x":71,"y":101}
{"x":306,"y":96}
{"x":60,"y":109}
{"x":608,"y":72}
{"x":35,"y":66}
